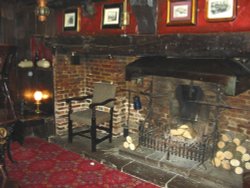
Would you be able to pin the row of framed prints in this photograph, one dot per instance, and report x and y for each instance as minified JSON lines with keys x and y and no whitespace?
{"x":112,"y":17}
{"x":179,"y":12}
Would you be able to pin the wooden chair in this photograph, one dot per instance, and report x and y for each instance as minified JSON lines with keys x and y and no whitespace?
{"x":93,"y":117}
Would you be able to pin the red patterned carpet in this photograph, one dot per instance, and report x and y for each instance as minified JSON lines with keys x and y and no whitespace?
{"x":44,"y":165}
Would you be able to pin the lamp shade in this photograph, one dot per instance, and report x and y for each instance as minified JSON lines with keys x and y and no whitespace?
{"x":25,"y":64}
{"x":38,"y":95}
{"x":43,"y":63}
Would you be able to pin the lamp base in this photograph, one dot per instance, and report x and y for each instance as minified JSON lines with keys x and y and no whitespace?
{"x":37,"y":111}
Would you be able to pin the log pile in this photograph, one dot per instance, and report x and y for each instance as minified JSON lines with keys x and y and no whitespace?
{"x":184,"y":131}
{"x":232,"y":153}
{"x":131,"y":142}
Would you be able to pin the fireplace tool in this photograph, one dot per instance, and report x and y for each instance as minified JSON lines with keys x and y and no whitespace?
{"x":137,"y":106}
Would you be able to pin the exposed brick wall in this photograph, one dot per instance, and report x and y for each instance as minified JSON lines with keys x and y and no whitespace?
{"x":69,"y":81}
{"x":77,"y":80}
{"x":237,"y":117}
{"x":165,"y":105}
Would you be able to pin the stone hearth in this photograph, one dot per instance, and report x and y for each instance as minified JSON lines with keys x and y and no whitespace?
{"x":204,"y":173}
{"x":152,"y":166}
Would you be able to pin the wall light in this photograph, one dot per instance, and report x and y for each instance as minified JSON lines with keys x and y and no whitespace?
{"x":126,"y":16}
{"x":42,"y":11}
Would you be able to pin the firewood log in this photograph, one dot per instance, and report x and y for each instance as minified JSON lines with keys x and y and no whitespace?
{"x":241,"y":149}
{"x":238,"y":170}
{"x":247,"y":165}
{"x":245,"y":157}
{"x":176,"y":132}
{"x":235,"y":162}
{"x":132,"y":146}
{"x":184,"y":126}
{"x":246,"y":144}
{"x":220,"y":155}
{"x":228,"y":155}
{"x":216,"y":162}
{"x":237,"y":141}
{"x":129,"y":139}
{"x":185,"y":131}
{"x":225,"y":164}
{"x":126,"y":144}
{"x":227,"y":136}
{"x":189,"y":133}
{"x":221,"y":144}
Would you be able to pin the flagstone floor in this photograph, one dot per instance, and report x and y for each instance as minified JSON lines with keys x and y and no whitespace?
{"x":148,"y":165}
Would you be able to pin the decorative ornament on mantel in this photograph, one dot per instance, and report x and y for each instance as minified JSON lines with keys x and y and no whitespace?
{"x":42,"y":11}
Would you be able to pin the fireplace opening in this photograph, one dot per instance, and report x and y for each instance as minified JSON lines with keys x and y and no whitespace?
{"x":190,"y":134}
{"x":189,"y":111}
{"x":189,"y":108}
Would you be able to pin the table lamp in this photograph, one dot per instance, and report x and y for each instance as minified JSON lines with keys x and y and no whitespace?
{"x":38,"y":95}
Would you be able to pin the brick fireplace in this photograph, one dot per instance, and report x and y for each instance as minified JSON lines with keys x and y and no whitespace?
{"x":74,"y":80}
{"x":160,"y":106}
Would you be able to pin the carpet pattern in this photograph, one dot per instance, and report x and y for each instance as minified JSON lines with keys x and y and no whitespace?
{"x":45,"y":165}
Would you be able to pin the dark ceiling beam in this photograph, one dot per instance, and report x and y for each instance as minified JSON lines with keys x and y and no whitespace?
{"x":216,"y":45}
{"x":55,"y":4}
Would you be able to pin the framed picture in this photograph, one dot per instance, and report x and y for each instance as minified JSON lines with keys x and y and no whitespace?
{"x":112,"y":14}
{"x":71,"y":20}
{"x":181,"y":12}
{"x":220,"y":10}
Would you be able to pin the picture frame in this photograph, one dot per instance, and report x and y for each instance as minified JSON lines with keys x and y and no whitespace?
{"x":181,"y":12}
{"x":220,"y":10}
{"x":71,"y":20}
{"x":112,"y":15}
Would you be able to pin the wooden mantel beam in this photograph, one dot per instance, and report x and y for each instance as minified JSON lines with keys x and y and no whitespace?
{"x":216,"y":45}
